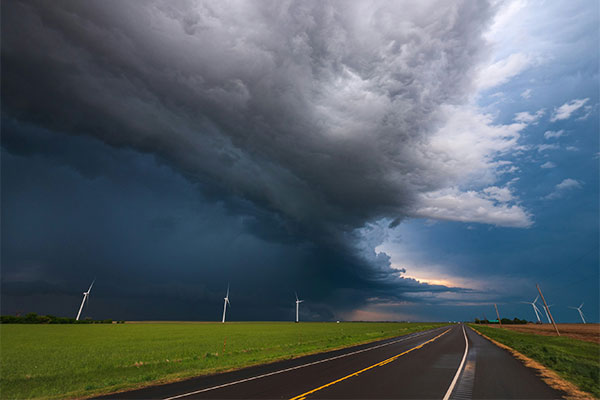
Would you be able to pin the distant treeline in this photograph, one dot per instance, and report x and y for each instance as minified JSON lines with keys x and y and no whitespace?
{"x":505,"y":321}
{"x":33,"y":318}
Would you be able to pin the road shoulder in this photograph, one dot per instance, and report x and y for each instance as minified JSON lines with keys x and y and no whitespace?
{"x":549,"y":377}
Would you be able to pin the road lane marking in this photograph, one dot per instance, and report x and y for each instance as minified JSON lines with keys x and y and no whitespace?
{"x":460,"y":367}
{"x":303,"y":395}
{"x":410,"y":336}
{"x":466,"y":381}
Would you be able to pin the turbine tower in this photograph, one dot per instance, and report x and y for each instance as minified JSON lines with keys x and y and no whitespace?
{"x":226,"y":303}
{"x":297,"y":305}
{"x":85,"y":297}
{"x":547,"y":315}
{"x":535,"y":309}
{"x":580,"y":312}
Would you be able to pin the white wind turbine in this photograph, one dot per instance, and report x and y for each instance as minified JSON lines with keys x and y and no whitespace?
{"x":297,"y":305}
{"x":547,"y":315}
{"x":85,"y":297}
{"x":536,"y":310}
{"x":226,"y":303}
{"x":580,"y":312}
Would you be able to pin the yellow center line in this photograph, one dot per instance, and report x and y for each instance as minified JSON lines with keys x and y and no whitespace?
{"x":389,"y":360}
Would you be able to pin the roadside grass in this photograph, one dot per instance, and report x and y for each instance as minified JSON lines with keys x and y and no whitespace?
{"x":68,"y":361}
{"x":575,"y":360}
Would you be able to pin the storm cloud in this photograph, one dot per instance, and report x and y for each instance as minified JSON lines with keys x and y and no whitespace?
{"x":295,"y":125}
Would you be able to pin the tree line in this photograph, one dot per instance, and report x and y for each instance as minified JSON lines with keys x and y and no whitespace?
{"x":505,"y":321}
{"x":33,"y":318}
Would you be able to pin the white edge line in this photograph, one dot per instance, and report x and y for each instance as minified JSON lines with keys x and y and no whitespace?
{"x":303,"y":365}
{"x":460,"y":367}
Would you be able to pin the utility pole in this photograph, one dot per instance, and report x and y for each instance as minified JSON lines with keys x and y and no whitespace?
{"x":498,"y":314}
{"x":548,"y":309}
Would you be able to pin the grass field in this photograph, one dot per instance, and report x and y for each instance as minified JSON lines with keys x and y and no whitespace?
{"x":66,"y":361}
{"x":575,"y":360}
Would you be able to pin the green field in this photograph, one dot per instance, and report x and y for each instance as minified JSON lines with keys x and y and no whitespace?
{"x":66,"y":361}
{"x":574,"y":360}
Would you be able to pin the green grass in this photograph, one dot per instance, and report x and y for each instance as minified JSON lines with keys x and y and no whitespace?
{"x":575,"y":360}
{"x":66,"y":361}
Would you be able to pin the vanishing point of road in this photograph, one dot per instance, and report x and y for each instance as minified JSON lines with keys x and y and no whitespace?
{"x":452,"y":362}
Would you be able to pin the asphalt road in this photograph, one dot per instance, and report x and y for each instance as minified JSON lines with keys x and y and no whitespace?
{"x":435,"y":364}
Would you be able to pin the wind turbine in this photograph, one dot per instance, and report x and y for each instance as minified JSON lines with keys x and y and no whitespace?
{"x":580,"y":312}
{"x":226,"y":303}
{"x":85,"y":297}
{"x":535,"y":309}
{"x":548,"y":316}
{"x":297,"y":305}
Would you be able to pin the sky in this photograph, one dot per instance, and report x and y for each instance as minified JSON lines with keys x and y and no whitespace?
{"x":416,"y":161}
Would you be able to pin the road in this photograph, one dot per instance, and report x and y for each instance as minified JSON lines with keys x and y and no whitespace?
{"x":452,"y":362}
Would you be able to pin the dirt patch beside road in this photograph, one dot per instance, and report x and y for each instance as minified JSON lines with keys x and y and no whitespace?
{"x":587,"y":332}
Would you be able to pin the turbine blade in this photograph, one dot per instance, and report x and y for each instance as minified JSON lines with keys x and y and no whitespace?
{"x":296,"y":295}
{"x":536,"y":298}
{"x":90,"y":289}
{"x":581,"y":305}
{"x":227,"y":291}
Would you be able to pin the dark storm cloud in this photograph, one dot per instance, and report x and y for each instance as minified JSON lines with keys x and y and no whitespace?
{"x":297,"y":121}
{"x":160,"y":249}
{"x":304,"y":108}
